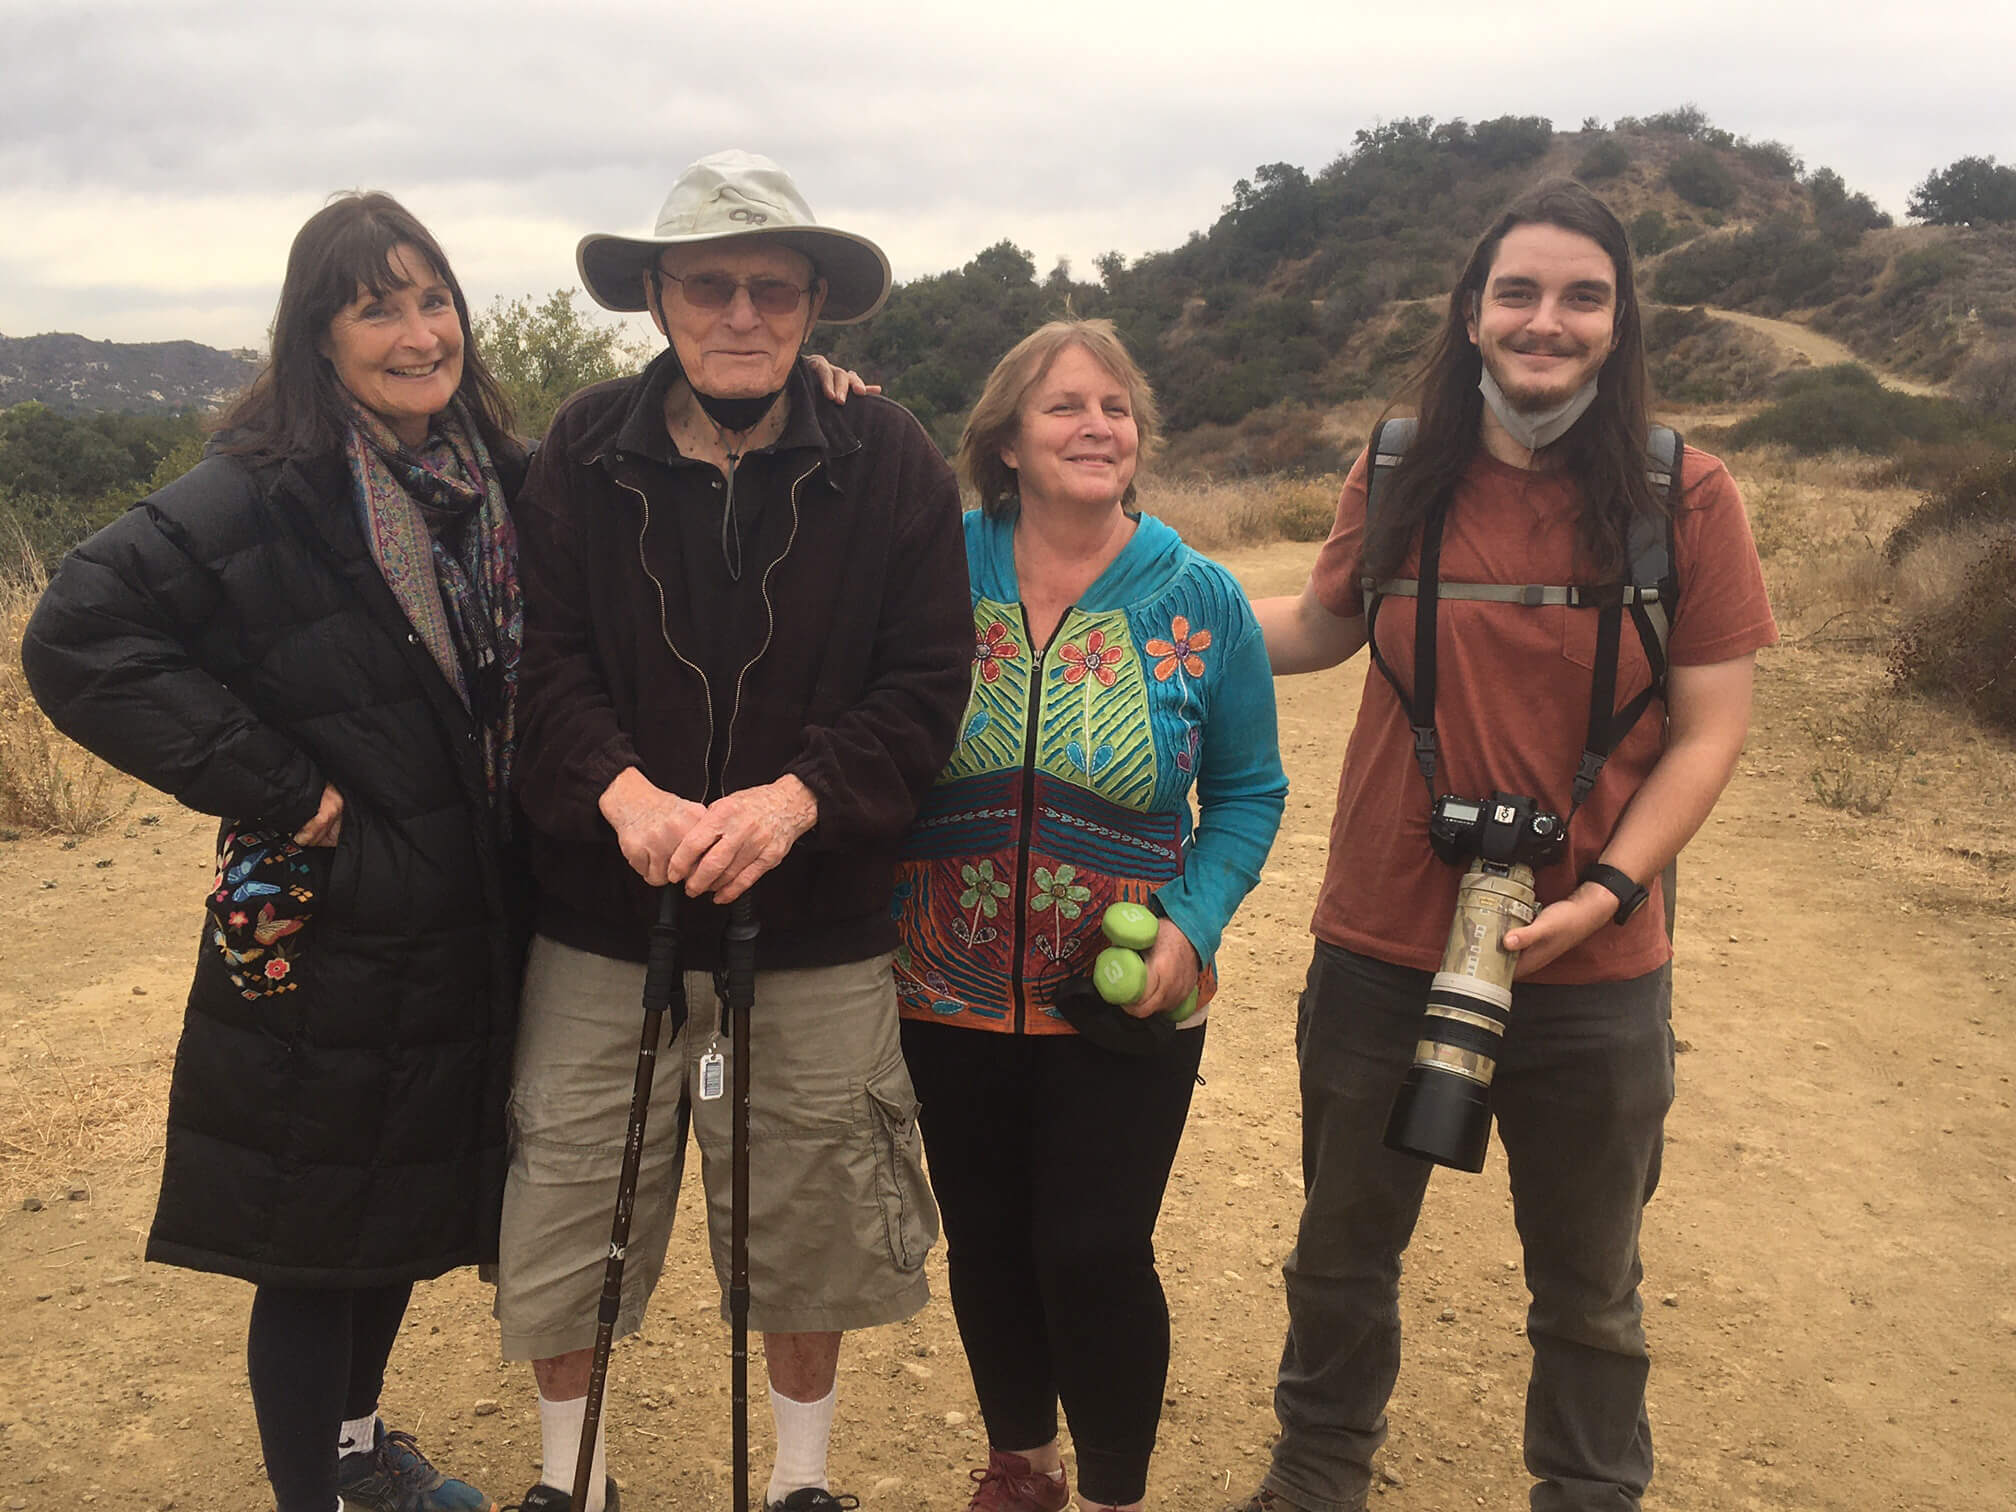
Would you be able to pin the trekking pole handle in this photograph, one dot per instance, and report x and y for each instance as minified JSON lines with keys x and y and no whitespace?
{"x":663,"y":981}
{"x":741,"y":951}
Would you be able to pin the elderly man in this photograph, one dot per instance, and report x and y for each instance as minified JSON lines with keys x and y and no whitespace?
{"x":1534,"y":465}
{"x":747,"y":650}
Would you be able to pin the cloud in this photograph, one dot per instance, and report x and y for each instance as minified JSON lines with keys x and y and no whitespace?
{"x":190,"y":137}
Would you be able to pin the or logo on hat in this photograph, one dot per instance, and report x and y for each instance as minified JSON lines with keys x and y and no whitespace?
{"x":751,"y":217}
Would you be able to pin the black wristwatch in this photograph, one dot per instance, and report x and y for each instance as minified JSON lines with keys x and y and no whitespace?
{"x":1630,"y":895}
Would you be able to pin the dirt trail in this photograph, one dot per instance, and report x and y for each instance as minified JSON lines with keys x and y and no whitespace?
{"x":1821,"y":351}
{"x":1830,"y":1287}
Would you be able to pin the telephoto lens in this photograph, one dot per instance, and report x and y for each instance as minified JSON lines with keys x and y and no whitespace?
{"x":1443,"y":1110}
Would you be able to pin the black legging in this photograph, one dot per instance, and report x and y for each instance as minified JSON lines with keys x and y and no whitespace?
{"x":316,"y":1358}
{"x":1049,"y":1157}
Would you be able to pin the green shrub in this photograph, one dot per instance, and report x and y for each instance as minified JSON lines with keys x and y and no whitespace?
{"x":1965,"y":649}
{"x":1774,"y":158}
{"x":1700,"y":177}
{"x":1779,"y":259}
{"x":1604,"y":160}
{"x":1652,"y":233}
{"x":1924,"y":268}
{"x":1844,"y":408}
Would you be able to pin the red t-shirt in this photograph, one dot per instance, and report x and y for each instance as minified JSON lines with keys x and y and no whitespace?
{"x":1512,"y":704}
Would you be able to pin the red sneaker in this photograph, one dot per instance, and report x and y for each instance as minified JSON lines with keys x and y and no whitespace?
{"x":1011,"y":1484}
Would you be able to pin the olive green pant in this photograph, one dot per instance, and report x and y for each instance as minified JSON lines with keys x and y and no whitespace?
{"x":1580,"y":1097}
{"x":841,"y":1215}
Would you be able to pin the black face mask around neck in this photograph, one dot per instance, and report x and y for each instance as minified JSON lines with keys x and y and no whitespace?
{"x":737,"y":416}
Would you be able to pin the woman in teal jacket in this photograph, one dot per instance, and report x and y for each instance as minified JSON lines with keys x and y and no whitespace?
{"x":1114,"y":672}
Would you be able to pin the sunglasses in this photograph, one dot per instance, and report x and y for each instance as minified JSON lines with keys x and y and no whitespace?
{"x":716,"y":291}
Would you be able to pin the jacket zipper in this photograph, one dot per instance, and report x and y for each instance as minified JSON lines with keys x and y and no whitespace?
{"x":664,"y":630}
{"x":769,"y":627}
{"x":1026,"y":826}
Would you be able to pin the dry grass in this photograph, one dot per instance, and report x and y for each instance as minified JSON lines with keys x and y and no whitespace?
{"x":1862,"y":747}
{"x":47,"y":783}
{"x":68,"y":1117}
{"x":1213,"y":516}
{"x":1820,"y":523}
{"x":1935,"y":571}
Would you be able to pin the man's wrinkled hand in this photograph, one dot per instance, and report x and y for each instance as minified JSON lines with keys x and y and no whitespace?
{"x":649,"y":823}
{"x":742,"y":836}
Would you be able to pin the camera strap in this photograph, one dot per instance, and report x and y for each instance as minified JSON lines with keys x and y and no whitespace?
{"x":1608,"y":725}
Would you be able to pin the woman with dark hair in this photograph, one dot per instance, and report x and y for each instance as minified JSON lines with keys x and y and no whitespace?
{"x":315,"y":635}
{"x":1115,"y":674}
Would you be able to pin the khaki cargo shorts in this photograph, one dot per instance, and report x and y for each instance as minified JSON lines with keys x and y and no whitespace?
{"x":840,"y":1214}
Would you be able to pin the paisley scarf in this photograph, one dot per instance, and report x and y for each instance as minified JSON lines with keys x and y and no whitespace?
{"x":444,"y":542}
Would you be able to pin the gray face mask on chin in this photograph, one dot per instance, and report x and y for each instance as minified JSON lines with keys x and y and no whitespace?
{"x":1534,"y":429}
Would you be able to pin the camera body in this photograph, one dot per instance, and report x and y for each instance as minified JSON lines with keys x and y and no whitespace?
{"x":1504,"y":829}
{"x":1443,"y":1110}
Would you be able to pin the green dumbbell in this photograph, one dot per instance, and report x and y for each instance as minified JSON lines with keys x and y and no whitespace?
{"x":1130,"y":925}
{"x":1119,"y":973}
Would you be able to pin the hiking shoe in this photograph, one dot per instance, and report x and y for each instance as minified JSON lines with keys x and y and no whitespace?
{"x":813,"y":1499}
{"x":1011,"y":1484}
{"x":394,"y":1476}
{"x":545,"y":1498}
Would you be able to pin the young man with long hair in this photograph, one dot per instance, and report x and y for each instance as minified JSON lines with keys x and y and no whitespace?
{"x":1530,"y":464}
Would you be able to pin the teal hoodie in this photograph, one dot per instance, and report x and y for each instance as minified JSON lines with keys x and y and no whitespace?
{"x":1071,"y":784}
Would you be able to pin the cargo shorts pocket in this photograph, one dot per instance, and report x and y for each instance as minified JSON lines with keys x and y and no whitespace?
{"x":909,"y":1212}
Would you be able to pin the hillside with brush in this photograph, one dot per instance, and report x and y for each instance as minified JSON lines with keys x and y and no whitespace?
{"x":1314,"y":290}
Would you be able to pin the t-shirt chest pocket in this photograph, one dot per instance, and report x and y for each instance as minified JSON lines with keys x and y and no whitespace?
{"x":1578,"y":633}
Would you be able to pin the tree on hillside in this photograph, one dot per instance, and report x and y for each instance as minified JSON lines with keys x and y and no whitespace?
{"x":1973,"y":191}
{"x":1272,"y":216}
{"x":1841,"y":216}
{"x":939,"y":336}
{"x":45,"y":452}
{"x":542,"y":353}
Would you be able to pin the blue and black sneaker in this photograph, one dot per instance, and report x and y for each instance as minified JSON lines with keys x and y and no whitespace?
{"x":394,"y":1476}
{"x":544,"y":1498}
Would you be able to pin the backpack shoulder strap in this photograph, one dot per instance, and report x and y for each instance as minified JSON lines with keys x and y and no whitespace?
{"x":1389,"y":443}
{"x":1390,"y":440}
{"x":1652,"y":568}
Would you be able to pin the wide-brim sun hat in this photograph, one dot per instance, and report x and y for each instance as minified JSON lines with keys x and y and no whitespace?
{"x":733,"y":197}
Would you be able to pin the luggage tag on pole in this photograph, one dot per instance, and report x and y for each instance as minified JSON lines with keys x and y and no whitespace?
{"x":713,"y":1067}
{"x":713,"y":1076}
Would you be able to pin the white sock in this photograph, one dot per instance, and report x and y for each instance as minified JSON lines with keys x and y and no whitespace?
{"x":560,"y":1443}
{"x":803,"y":1429}
{"x":358,"y":1435}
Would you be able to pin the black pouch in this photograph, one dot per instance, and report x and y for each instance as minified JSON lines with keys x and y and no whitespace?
{"x":1110,"y":1026}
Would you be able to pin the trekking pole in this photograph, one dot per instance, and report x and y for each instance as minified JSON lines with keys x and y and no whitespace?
{"x":741,"y":994}
{"x":664,"y":990}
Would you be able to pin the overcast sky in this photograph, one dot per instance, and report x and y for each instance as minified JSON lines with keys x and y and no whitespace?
{"x":156,"y":156}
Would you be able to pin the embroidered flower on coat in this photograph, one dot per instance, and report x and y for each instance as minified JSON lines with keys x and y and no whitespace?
{"x":992,"y":649}
{"x":1058,"y":893}
{"x":1096,"y":659}
{"x":1180,"y":650}
{"x":984,"y":890}
{"x":276,"y":969}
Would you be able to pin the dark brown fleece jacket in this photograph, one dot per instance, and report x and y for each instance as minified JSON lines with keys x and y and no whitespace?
{"x":842,"y":655}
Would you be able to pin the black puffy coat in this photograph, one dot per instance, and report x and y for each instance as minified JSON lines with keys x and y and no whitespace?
{"x":231,"y":641}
